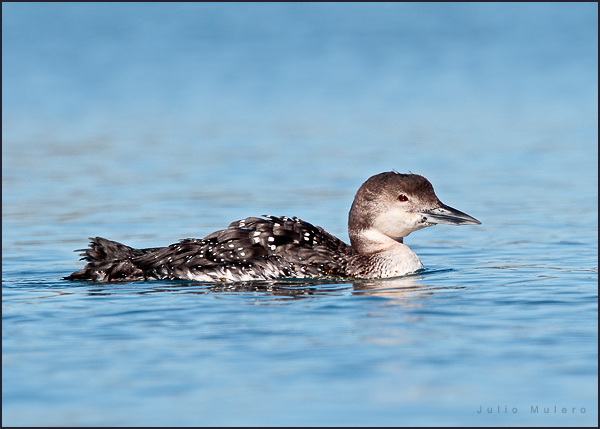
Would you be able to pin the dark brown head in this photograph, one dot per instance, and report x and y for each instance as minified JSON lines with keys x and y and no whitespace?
{"x":392,"y":205}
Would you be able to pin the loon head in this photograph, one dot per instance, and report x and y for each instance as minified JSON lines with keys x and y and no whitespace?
{"x":389,"y":206}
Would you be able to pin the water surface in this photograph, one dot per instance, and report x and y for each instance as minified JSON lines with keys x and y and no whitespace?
{"x":149,"y":123}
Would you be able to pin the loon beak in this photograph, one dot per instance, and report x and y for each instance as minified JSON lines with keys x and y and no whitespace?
{"x":449,"y":216}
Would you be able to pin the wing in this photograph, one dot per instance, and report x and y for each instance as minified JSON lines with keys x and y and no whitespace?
{"x":250,"y":249}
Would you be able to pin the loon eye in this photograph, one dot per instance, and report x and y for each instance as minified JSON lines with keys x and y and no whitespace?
{"x":402,"y":198}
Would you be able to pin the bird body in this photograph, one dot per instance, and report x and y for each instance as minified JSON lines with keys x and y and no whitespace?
{"x":386,"y":208}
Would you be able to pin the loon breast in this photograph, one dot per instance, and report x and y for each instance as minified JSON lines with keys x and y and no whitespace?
{"x":386,"y":208}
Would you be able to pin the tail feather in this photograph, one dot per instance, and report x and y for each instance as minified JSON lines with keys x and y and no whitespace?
{"x":101,"y":249}
{"x":108,"y":260}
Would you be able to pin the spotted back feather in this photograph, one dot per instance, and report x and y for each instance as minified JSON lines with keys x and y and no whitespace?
{"x":249,"y":249}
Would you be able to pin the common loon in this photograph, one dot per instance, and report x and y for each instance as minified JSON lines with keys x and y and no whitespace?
{"x":386,"y":208}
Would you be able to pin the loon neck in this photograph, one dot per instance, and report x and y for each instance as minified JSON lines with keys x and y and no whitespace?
{"x":371,"y":241}
{"x":380,"y":256}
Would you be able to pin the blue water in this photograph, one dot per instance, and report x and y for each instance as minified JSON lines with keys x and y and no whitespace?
{"x":146,"y":123}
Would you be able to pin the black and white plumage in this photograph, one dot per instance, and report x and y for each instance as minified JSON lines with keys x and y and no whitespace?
{"x":387,"y":207}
